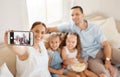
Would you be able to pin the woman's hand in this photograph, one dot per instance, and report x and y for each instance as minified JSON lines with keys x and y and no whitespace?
{"x":19,"y":50}
{"x":6,"y":37}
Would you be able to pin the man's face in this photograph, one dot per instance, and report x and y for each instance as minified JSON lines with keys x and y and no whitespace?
{"x":77,"y":16}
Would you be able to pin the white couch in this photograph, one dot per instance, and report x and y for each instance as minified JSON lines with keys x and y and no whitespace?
{"x":109,"y":27}
{"x":107,"y":24}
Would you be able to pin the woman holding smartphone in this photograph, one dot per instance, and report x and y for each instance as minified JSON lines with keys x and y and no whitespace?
{"x":32,"y":61}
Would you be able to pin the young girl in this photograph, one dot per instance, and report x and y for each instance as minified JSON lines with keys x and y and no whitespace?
{"x":17,"y":40}
{"x":55,"y":60}
{"x":71,"y":55}
{"x":32,"y":61}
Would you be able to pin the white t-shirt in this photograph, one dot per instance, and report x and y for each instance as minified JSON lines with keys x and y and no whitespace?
{"x":36,"y":65}
{"x":71,"y":55}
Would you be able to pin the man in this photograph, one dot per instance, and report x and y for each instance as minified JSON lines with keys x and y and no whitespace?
{"x":95,"y":47}
{"x":25,"y":39}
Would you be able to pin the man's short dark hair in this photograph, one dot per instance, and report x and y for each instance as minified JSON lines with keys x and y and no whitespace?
{"x":74,"y":7}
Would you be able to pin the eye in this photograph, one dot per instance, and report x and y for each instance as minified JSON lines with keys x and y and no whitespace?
{"x":77,"y":14}
{"x":72,"y":15}
{"x":42,"y":32}
{"x":56,"y":42}
{"x":37,"y":31}
{"x":68,"y":41}
{"x":51,"y":42}
{"x":73,"y":41}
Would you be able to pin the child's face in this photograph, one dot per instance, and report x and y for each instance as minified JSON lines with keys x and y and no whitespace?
{"x":71,"y":41}
{"x":54,"y":43}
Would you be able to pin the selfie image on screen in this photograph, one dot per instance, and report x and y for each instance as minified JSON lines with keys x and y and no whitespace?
{"x":21,"y":38}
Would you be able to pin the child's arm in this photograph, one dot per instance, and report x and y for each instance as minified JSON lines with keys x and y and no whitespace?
{"x":82,"y":60}
{"x":64,"y":57}
{"x":60,"y":71}
{"x":66,"y":60}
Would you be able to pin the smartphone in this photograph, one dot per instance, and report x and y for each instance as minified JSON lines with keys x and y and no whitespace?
{"x":21,"y":38}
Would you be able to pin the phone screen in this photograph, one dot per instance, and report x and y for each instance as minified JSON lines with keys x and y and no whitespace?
{"x":20,"y":38}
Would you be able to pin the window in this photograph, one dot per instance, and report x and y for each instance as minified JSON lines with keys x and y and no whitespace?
{"x":54,"y":10}
{"x":48,"y":11}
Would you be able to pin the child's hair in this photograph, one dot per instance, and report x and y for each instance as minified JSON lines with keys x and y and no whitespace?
{"x":55,"y":34}
{"x":78,"y":45}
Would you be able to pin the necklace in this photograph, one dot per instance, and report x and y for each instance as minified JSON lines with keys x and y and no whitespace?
{"x":37,"y":48}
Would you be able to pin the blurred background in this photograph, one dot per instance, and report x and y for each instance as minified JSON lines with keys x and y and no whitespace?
{"x":20,"y":14}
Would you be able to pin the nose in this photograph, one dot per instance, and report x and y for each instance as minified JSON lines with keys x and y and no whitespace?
{"x":40,"y":34}
{"x":69,"y":44}
{"x":54,"y":44}
{"x":73,"y":16}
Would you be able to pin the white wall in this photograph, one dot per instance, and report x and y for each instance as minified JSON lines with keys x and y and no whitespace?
{"x":106,"y":7}
{"x":13,"y":15}
{"x":110,"y":8}
{"x":66,"y":13}
{"x":89,"y":6}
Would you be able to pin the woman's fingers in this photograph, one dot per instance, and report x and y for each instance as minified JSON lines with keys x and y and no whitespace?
{"x":6,"y":36}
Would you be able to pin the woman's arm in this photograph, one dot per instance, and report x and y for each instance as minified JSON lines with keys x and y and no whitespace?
{"x":21,"y":51}
{"x":81,"y":60}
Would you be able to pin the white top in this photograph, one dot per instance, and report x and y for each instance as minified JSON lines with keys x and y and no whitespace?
{"x":36,"y":65}
{"x":70,"y":54}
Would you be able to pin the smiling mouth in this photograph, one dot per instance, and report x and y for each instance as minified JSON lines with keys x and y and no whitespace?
{"x":38,"y":38}
{"x":54,"y":47}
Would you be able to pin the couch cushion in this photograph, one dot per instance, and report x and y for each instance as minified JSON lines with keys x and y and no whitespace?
{"x":108,"y":26}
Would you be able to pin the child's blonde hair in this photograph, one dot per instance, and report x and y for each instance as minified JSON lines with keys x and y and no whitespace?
{"x":55,"y":34}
